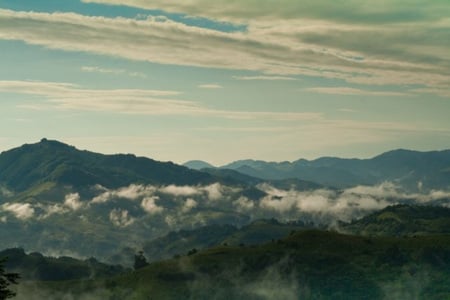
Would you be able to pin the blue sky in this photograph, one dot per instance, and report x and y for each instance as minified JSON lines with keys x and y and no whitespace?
{"x":226,"y":80}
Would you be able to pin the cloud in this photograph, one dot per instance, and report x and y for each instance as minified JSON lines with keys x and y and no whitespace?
{"x":189,"y":205}
{"x":243,"y":204}
{"x":131,"y":192}
{"x":374,"y":44}
{"x":66,"y":96}
{"x":214,"y":191}
{"x":345,"y":11}
{"x":95,"y":69}
{"x":180,"y":190}
{"x":263,"y":77}
{"x":210,"y":86}
{"x":22,"y":211}
{"x":150,"y":206}
{"x":328,"y":205}
{"x":53,"y":209}
{"x":347,"y":110}
{"x":73,"y":202}
{"x":121,"y":218}
{"x":353,"y":92}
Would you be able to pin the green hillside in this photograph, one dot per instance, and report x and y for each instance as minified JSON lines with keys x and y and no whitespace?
{"x":403,"y":220}
{"x":306,"y":265}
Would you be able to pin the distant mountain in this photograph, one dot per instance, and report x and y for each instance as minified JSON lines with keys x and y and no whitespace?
{"x":403,"y":220}
{"x":197,"y":164}
{"x":412,"y":169}
{"x":233,"y":176}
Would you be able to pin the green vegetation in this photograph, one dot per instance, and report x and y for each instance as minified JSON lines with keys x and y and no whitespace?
{"x":403,"y":220}
{"x":309,"y":264}
{"x":37,"y":267}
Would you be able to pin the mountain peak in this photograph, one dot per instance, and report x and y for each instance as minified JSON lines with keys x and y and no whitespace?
{"x":53,"y":143}
{"x":53,"y":161}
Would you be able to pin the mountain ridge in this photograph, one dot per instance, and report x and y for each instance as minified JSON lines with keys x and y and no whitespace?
{"x":414,"y":170}
{"x":53,"y":161}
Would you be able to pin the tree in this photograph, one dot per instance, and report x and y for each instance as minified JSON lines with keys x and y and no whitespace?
{"x":5,"y":280}
{"x":140,"y":261}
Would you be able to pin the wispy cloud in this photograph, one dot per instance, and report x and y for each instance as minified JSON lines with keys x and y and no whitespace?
{"x":263,"y":77}
{"x":210,"y":86}
{"x":67,"y":96}
{"x":353,"y":92}
{"x":95,"y":69}
{"x":344,"y":11}
{"x":283,"y":39}
{"x":347,"y":110}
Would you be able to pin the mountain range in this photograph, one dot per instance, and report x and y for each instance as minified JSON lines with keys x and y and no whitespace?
{"x":413,"y":170}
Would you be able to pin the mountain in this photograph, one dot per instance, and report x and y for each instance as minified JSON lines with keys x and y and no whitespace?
{"x":52,"y":161}
{"x":54,"y":197}
{"x":413,"y":170}
{"x":197,"y":165}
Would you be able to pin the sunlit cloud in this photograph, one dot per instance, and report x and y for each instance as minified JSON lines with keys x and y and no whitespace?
{"x":150,"y":206}
{"x":95,"y":69}
{"x":22,"y":211}
{"x":287,"y":39}
{"x":73,"y":202}
{"x":211,"y":86}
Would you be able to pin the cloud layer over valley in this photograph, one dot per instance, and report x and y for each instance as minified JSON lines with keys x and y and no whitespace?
{"x":177,"y":204}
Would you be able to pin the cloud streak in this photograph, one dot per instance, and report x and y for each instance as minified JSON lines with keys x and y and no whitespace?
{"x":65,"y":96}
{"x":95,"y":69}
{"x":354,"y":92}
{"x":282,"y":40}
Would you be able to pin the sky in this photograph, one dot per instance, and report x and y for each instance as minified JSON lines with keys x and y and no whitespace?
{"x":219,"y":81}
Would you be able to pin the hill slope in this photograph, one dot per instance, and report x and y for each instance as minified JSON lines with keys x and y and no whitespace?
{"x":306,"y":265}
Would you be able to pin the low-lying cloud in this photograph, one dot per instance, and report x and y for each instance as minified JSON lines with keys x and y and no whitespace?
{"x":179,"y":206}
{"x":22,"y":211}
{"x":121,"y":218}
{"x":150,"y":206}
